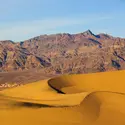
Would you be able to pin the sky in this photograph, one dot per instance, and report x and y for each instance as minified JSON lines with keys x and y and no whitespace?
{"x":24,"y":19}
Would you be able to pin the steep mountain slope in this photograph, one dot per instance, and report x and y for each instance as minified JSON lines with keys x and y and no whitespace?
{"x":14,"y":57}
{"x":64,"y":53}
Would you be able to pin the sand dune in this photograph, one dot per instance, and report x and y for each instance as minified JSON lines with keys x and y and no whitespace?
{"x":86,"y":99}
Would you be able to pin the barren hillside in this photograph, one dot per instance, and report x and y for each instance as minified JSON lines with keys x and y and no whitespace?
{"x":64,"y":53}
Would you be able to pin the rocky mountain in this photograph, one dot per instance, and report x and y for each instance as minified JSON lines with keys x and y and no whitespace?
{"x":64,"y":53}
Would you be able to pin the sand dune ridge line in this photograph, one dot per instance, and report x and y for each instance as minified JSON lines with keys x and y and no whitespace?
{"x":86,"y":99}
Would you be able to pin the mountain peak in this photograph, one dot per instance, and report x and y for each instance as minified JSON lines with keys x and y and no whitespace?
{"x":88,"y":32}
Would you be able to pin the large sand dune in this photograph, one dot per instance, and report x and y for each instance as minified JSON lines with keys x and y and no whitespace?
{"x":88,"y":99}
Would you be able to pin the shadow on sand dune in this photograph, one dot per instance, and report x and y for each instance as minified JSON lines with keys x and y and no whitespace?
{"x":88,"y":99}
{"x":31,"y":105}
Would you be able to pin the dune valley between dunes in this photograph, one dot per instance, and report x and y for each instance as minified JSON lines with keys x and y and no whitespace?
{"x":82,"y":99}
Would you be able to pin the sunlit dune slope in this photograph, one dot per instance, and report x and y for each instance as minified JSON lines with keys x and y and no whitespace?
{"x":86,"y":99}
{"x":40,"y":92}
{"x":108,"y":81}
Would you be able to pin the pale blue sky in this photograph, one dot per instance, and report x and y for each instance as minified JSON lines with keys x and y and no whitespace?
{"x":24,"y":19}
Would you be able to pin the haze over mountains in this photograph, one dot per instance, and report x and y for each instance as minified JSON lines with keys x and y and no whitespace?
{"x":64,"y":53}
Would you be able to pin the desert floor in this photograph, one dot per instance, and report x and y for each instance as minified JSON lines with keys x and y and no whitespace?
{"x":85,"y":99}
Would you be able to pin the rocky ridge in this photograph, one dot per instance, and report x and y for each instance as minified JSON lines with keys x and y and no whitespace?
{"x":64,"y":53}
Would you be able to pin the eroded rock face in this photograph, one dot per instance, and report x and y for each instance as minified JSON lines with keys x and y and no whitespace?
{"x":15,"y":57}
{"x":64,"y":53}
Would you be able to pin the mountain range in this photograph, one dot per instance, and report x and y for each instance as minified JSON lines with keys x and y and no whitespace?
{"x":64,"y":53}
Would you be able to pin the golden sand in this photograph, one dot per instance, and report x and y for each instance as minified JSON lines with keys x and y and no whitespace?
{"x":86,"y":99}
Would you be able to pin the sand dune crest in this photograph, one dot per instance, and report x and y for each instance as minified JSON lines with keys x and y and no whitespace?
{"x":88,"y":99}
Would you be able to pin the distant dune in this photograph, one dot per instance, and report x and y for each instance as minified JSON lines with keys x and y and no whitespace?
{"x":85,"y":99}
